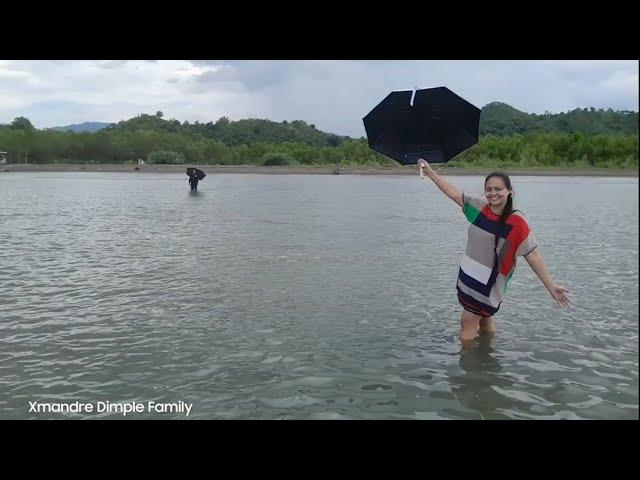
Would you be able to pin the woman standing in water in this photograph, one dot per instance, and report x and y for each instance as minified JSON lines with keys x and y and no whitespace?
{"x":497,"y":235}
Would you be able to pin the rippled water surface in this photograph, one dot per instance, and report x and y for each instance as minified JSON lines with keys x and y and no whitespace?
{"x":307,"y":297}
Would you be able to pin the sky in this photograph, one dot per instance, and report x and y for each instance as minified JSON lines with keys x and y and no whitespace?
{"x":334,"y":95}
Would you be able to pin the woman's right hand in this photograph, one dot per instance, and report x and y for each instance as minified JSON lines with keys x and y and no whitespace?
{"x":422,"y":163}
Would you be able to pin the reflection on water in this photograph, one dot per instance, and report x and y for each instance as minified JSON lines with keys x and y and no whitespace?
{"x":267,"y":296}
{"x":474,"y":388}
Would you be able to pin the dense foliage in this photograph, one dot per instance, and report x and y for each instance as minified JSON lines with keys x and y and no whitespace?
{"x":509,"y":138}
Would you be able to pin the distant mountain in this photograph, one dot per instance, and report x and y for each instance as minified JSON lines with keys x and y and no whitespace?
{"x":496,"y":118}
{"x":91,"y":127}
{"x":500,"y":119}
{"x":234,"y":133}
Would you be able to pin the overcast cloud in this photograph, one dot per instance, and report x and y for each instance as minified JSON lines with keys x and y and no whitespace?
{"x":332,"y":94}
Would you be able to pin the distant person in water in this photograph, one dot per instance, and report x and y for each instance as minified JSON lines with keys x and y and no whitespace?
{"x":193,"y":180}
{"x":497,"y":235}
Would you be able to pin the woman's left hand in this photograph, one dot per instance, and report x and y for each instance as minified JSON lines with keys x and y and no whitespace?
{"x":560,"y":295}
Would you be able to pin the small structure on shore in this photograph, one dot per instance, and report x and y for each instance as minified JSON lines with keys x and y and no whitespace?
{"x":3,"y":158}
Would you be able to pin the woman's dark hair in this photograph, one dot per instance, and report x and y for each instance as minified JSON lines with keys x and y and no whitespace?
{"x":508,"y":208}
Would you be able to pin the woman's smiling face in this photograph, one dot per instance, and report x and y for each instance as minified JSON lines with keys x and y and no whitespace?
{"x":496,"y":192}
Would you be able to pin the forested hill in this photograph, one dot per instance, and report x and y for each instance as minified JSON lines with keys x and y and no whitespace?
{"x":502,"y":119}
{"x":496,"y":118}
{"x":509,"y":137}
{"x":241,"y":132}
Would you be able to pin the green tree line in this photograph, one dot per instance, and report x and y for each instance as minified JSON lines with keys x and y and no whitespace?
{"x":262,"y":142}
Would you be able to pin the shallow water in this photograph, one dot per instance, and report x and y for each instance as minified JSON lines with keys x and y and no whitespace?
{"x":308,"y":297}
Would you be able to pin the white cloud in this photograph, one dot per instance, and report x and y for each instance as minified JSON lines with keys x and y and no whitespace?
{"x":332,"y":94}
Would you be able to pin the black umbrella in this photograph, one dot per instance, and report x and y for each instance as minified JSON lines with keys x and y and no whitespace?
{"x":433,"y":123}
{"x":197,"y":172}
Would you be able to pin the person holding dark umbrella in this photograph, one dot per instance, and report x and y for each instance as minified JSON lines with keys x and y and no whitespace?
{"x":437,"y":124}
{"x":497,"y":235}
{"x":195,"y":175}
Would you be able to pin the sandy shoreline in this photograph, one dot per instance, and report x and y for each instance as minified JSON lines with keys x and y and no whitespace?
{"x":298,"y":170}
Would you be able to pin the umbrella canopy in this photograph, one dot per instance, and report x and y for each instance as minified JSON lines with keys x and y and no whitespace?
{"x":432,"y":123}
{"x":197,"y":172}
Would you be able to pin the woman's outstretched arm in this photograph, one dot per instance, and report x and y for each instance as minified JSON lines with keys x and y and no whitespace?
{"x":558,"y":293}
{"x":448,"y":189}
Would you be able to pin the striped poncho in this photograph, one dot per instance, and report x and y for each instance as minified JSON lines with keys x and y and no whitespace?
{"x":482,"y":281}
